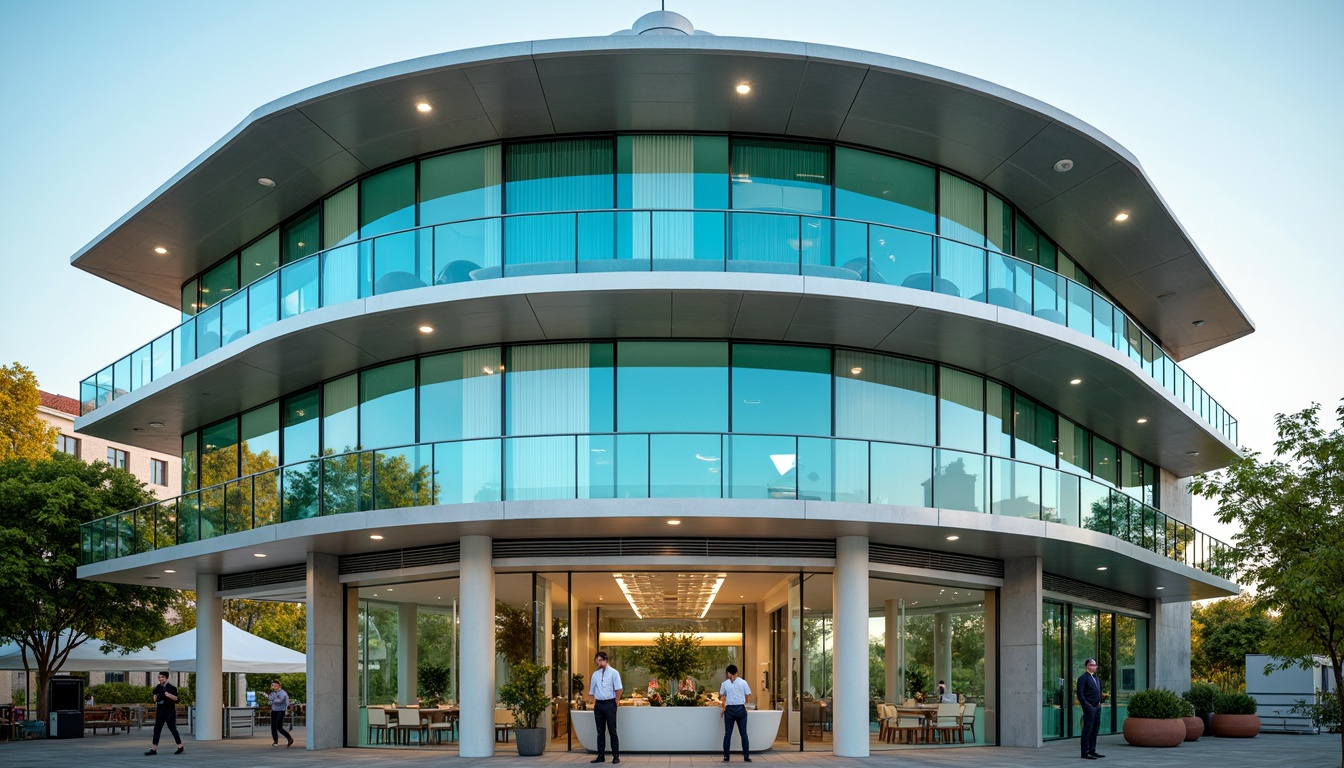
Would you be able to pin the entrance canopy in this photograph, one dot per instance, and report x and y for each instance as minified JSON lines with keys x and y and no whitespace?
{"x":243,"y":652}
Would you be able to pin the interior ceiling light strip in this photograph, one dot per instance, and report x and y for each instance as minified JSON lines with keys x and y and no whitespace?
{"x":670,"y":596}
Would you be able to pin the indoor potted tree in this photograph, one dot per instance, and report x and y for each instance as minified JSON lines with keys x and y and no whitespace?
{"x":1154,"y":719}
{"x":671,"y":657}
{"x":525,"y":696}
{"x":1234,"y":716}
{"x":1194,"y":726}
{"x":1201,"y":696}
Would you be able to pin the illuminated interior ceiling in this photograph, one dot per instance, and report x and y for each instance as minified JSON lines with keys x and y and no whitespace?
{"x":669,"y":595}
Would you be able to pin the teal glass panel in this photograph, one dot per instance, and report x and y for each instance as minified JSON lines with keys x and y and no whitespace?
{"x":191,"y":450}
{"x":961,"y":410}
{"x":141,"y":372}
{"x":219,"y":452}
{"x":1036,"y":431}
{"x":998,"y":223}
{"x":960,"y":270}
{"x":121,"y":374}
{"x":671,"y":172}
{"x":595,"y":246}
{"x":88,"y":395}
{"x":884,"y":190}
{"x":399,"y":264}
{"x":814,"y":248}
{"x":191,"y":297}
{"x":340,"y":415}
{"x":631,"y":247}
{"x":347,"y":483}
{"x":897,"y":257}
{"x":233,"y":318}
{"x":1028,"y":242}
{"x":467,"y":250}
{"x":559,"y":389}
{"x":783,"y":176}
{"x":537,"y":468}
{"x":686,"y":466}
{"x":1075,"y":445}
{"x":560,"y":175}
{"x":1131,"y":663}
{"x":540,"y":244}
{"x":260,"y":258}
{"x":1059,"y":497}
{"x":189,"y":519}
{"x":1105,"y":461}
{"x":1094,"y":504}
{"x":689,"y":242}
{"x":1010,"y":283}
{"x":299,"y":486}
{"x":300,"y":414}
{"x":1047,"y":258}
{"x":1017,"y":489}
{"x":403,"y":477}
{"x":878,"y":397}
{"x":460,"y":186}
{"x":596,"y":457}
{"x":184,"y":344}
{"x":833,"y":470}
{"x":300,"y":237}
{"x":387,"y":201}
{"x":1102,"y":316}
{"x":387,"y":405}
{"x":1086,"y":641}
{"x":259,"y":439}
{"x":1050,"y":302}
{"x":347,"y":273}
{"x":1080,"y":309}
{"x":460,"y":395}
{"x":998,"y":419}
{"x":781,"y":390}
{"x":298,"y":288}
{"x":1134,"y":344}
{"x":1131,"y":474}
{"x":961,"y":209}
{"x":467,"y":472}
{"x":762,"y":467}
{"x":220,"y":282}
{"x":672,"y":386}
{"x":104,"y":379}
{"x":632,"y":466}
{"x":340,"y":217}
{"x":902,"y":475}
{"x":207,"y":335}
{"x":961,"y":481}
{"x":263,"y":302}
{"x":764,"y":242}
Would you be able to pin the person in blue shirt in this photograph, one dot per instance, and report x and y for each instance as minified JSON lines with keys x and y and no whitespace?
{"x":733,"y":696}
{"x":1090,"y":698}
{"x":605,"y":689}
{"x":279,"y":705}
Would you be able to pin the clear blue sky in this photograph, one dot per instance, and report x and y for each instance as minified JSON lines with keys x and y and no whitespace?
{"x":1233,"y":108}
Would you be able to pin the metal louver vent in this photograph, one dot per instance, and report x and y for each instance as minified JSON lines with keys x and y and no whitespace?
{"x":712,"y":548}
{"x":266,"y":578}
{"x":935,"y":561}
{"x":1063,"y":585}
{"x":396,"y":559}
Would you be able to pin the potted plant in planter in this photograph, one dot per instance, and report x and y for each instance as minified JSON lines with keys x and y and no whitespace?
{"x":1234,"y":716}
{"x":1201,"y":696}
{"x":670,"y":658}
{"x":1155,"y":719}
{"x":1194,"y":726}
{"x":525,"y":696}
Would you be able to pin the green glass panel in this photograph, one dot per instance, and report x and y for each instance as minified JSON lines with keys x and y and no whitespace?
{"x":1017,"y":489}
{"x":219,"y":452}
{"x":387,"y":405}
{"x":559,"y":389}
{"x":1105,"y":461}
{"x":468,"y":471}
{"x":902,"y":475}
{"x":537,"y":468}
{"x":961,"y":410}
{"x":190,"y":455}
{"x":299,"y":238}
{"x":1075,"y":444}
{"x":884,"y":189}
{"x":561,"y":175}
{"x":340,"y":415}
{"x":879,"y":397}
{"x":460,"y":395}
{"x":300,"y":425}
{"x":387,"y":201}
{"x":671,"y":172}
{"x":761,"y":467}
{"x":1036,"y":430}
{"x":219,"y":282}
{"x":190,"y":298}
{"x":781,"y":390}
{"x":1028,"y":242}
{"x":785,"y":176}
{"x":1131,"y":662}
{"x":998,"y":419}
{"x":961,"y":209}
{"x":1131,"y":474}
{"x":460,"y":186}
{"x":260,"y":258}
{"x":998,"y":223}
{"x":260,"y":439}
{"x":340,"y":217}
{"x":672,"y":386}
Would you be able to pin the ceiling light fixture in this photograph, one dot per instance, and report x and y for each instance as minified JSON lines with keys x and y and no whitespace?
{"x":1075,"y":381}
{"x":424,"y":106}
{"x":1143,"y":420}
{"x":160,"y":250}
{"x":258,"y":554}
{"x":1161,"y":587}
{"x":744,"y":88}
{"x":953,"y":538}
{"x":156,"y":424}
{"x":169,"y":570}
{"x":1122,"y":216}
{"x":1063,"y":166}
{"x":1192,"y":453}
{"x":426,"y":329}
{"x":1101,"y":568}
{"x":674,"y":522}
{"x":1199,"y":323}
{"x":856,"y":370}
{"x":266,"y":182}
{"x":376,"y":536}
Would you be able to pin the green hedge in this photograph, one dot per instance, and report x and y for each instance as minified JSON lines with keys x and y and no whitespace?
{"x":120,"y":693}
{"x":1234,"y":704}
{"x":1157,"y":703}
{"x":1201,"y":696}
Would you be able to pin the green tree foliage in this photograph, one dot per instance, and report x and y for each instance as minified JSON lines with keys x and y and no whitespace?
{"x":671,"y":656}
{"x":1222,"y":632}
{"x":1156,"y":703}
{"x":23,"y":433}
{"x":513,"y":633}
{"x":433,"y":679}
{"x":42,"y":504}
{"x":120,"y":693}
{"x":525,"y":693}
{"x":1291,"y":512}
{"x":282,"y":623}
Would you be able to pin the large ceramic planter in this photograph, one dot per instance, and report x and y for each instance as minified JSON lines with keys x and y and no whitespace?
{"x":1153,"y":732}
{"x":1194,"y":728}
{"x":1236,"y":726}
{"x":531,"y":741}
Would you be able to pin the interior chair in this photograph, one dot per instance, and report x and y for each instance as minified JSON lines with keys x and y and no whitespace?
{"x":377,"y":723}
{"x":883,"y":718}
{"x":503,"y":724}
{"x":408,"y":720}
{"x":908,"y":729}
{"x":947,"y":723}
{"x":448,"y":726}
{"x":968,"y":720}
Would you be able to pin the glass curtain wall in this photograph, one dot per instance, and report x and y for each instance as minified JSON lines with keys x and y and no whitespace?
{"x":1071,"y":634}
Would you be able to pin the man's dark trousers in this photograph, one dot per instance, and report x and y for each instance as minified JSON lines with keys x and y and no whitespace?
{"x":1091,"y":724}
{"x":166,"y":716}
{"x":278,"y":727}
{"x":604,"y":717}
{"x":735,"y":713}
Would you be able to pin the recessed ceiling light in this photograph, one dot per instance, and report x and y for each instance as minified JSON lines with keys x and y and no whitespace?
{"x":376,"y":536}
{"x":156,"y":424}
{"x":856,"y":370}
{"x":1199,"y":323}
{"x":169,"y":570}
{"x":1143,"y":420}
{"x":1161,"y":587}
{"x":389,"y":589}
{"x":426,"y":329}
{"x":1192,"y":453}
{"x":160,"y":250}
{"x":1122,"y":216}
{"x":1063,"y":166}
{"x":953,"y":538}
{"x":424,"y":106}
{"x":674,"y":522}
{"x":1101,"y":568}
{"x":744,"y":88}
{"x":258,"y":554}
{"x":1075,"y":381}
{"x":266,"y":182}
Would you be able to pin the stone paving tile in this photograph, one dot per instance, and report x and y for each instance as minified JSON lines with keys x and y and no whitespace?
{"x":123,"y":750}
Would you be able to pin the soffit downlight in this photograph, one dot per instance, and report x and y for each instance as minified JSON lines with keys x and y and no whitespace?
{"x":669,"y":595}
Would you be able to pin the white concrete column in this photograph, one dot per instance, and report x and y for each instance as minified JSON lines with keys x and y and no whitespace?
{"x":326,"y":653}
{"x":1019,"y":704}
{"x":942,"y":649}
{"x":408,"y":666}
{"x":209,"y":722}
{"x":477,"y":702}
{"x":1169,"y":646}
{"x":850,"y":595}
{"x":891,"y":653}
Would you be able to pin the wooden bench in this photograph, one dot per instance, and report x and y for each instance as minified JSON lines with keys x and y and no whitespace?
{"x":110,"y":718}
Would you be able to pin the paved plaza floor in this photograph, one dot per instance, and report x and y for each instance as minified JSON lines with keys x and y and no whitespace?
{"x":1292,"y":751}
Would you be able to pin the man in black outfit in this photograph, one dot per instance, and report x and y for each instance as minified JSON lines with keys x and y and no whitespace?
{"x":1090,"y":698}
{"x":165,"y":713}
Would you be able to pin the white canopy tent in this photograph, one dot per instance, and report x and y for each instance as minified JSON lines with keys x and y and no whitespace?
{"x":87,"y":658}
{"x":243,"y":652}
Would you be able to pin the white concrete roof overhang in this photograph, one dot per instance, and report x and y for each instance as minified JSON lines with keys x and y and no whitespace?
{"x":1072,"y":552}
{"x":1037,"y":356}
{"x":318,"y":139}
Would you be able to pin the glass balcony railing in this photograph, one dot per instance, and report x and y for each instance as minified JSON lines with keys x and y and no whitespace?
{"x":643,"y":241}
{"x":645,"y":466}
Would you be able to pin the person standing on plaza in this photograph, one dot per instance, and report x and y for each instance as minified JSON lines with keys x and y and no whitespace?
{"x":165,"y":713}
{"x":1090,"y":698}
{"x":279,"y":706}
{"x":733,"y":696}
{"x":605,"y":690}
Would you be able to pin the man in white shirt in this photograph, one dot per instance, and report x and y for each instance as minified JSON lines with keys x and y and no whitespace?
{"x":733,"y":695}
{"x":604,"y":689}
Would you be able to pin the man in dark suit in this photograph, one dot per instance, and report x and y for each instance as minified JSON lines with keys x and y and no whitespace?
{"x":1089,"y":698}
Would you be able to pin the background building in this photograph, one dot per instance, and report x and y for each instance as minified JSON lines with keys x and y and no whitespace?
{"x":565,"y":343}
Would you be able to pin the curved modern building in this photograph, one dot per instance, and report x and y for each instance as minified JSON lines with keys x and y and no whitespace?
{"x":865,"y":371}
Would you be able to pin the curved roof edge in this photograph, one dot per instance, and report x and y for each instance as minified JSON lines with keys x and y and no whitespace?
{"x":319,"y":138}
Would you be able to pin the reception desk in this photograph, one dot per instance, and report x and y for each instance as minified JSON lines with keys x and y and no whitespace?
{"x":677,"y":729}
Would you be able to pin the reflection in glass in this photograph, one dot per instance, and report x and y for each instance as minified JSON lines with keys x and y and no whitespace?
{"x":961,"y":481}
{"x":672,"y":386}
{"x":879,"y":397}
{"x":460,"y":395}
{"x":781,"y":390}
{"x":902,"y":475}
{"x":686,"y":466}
